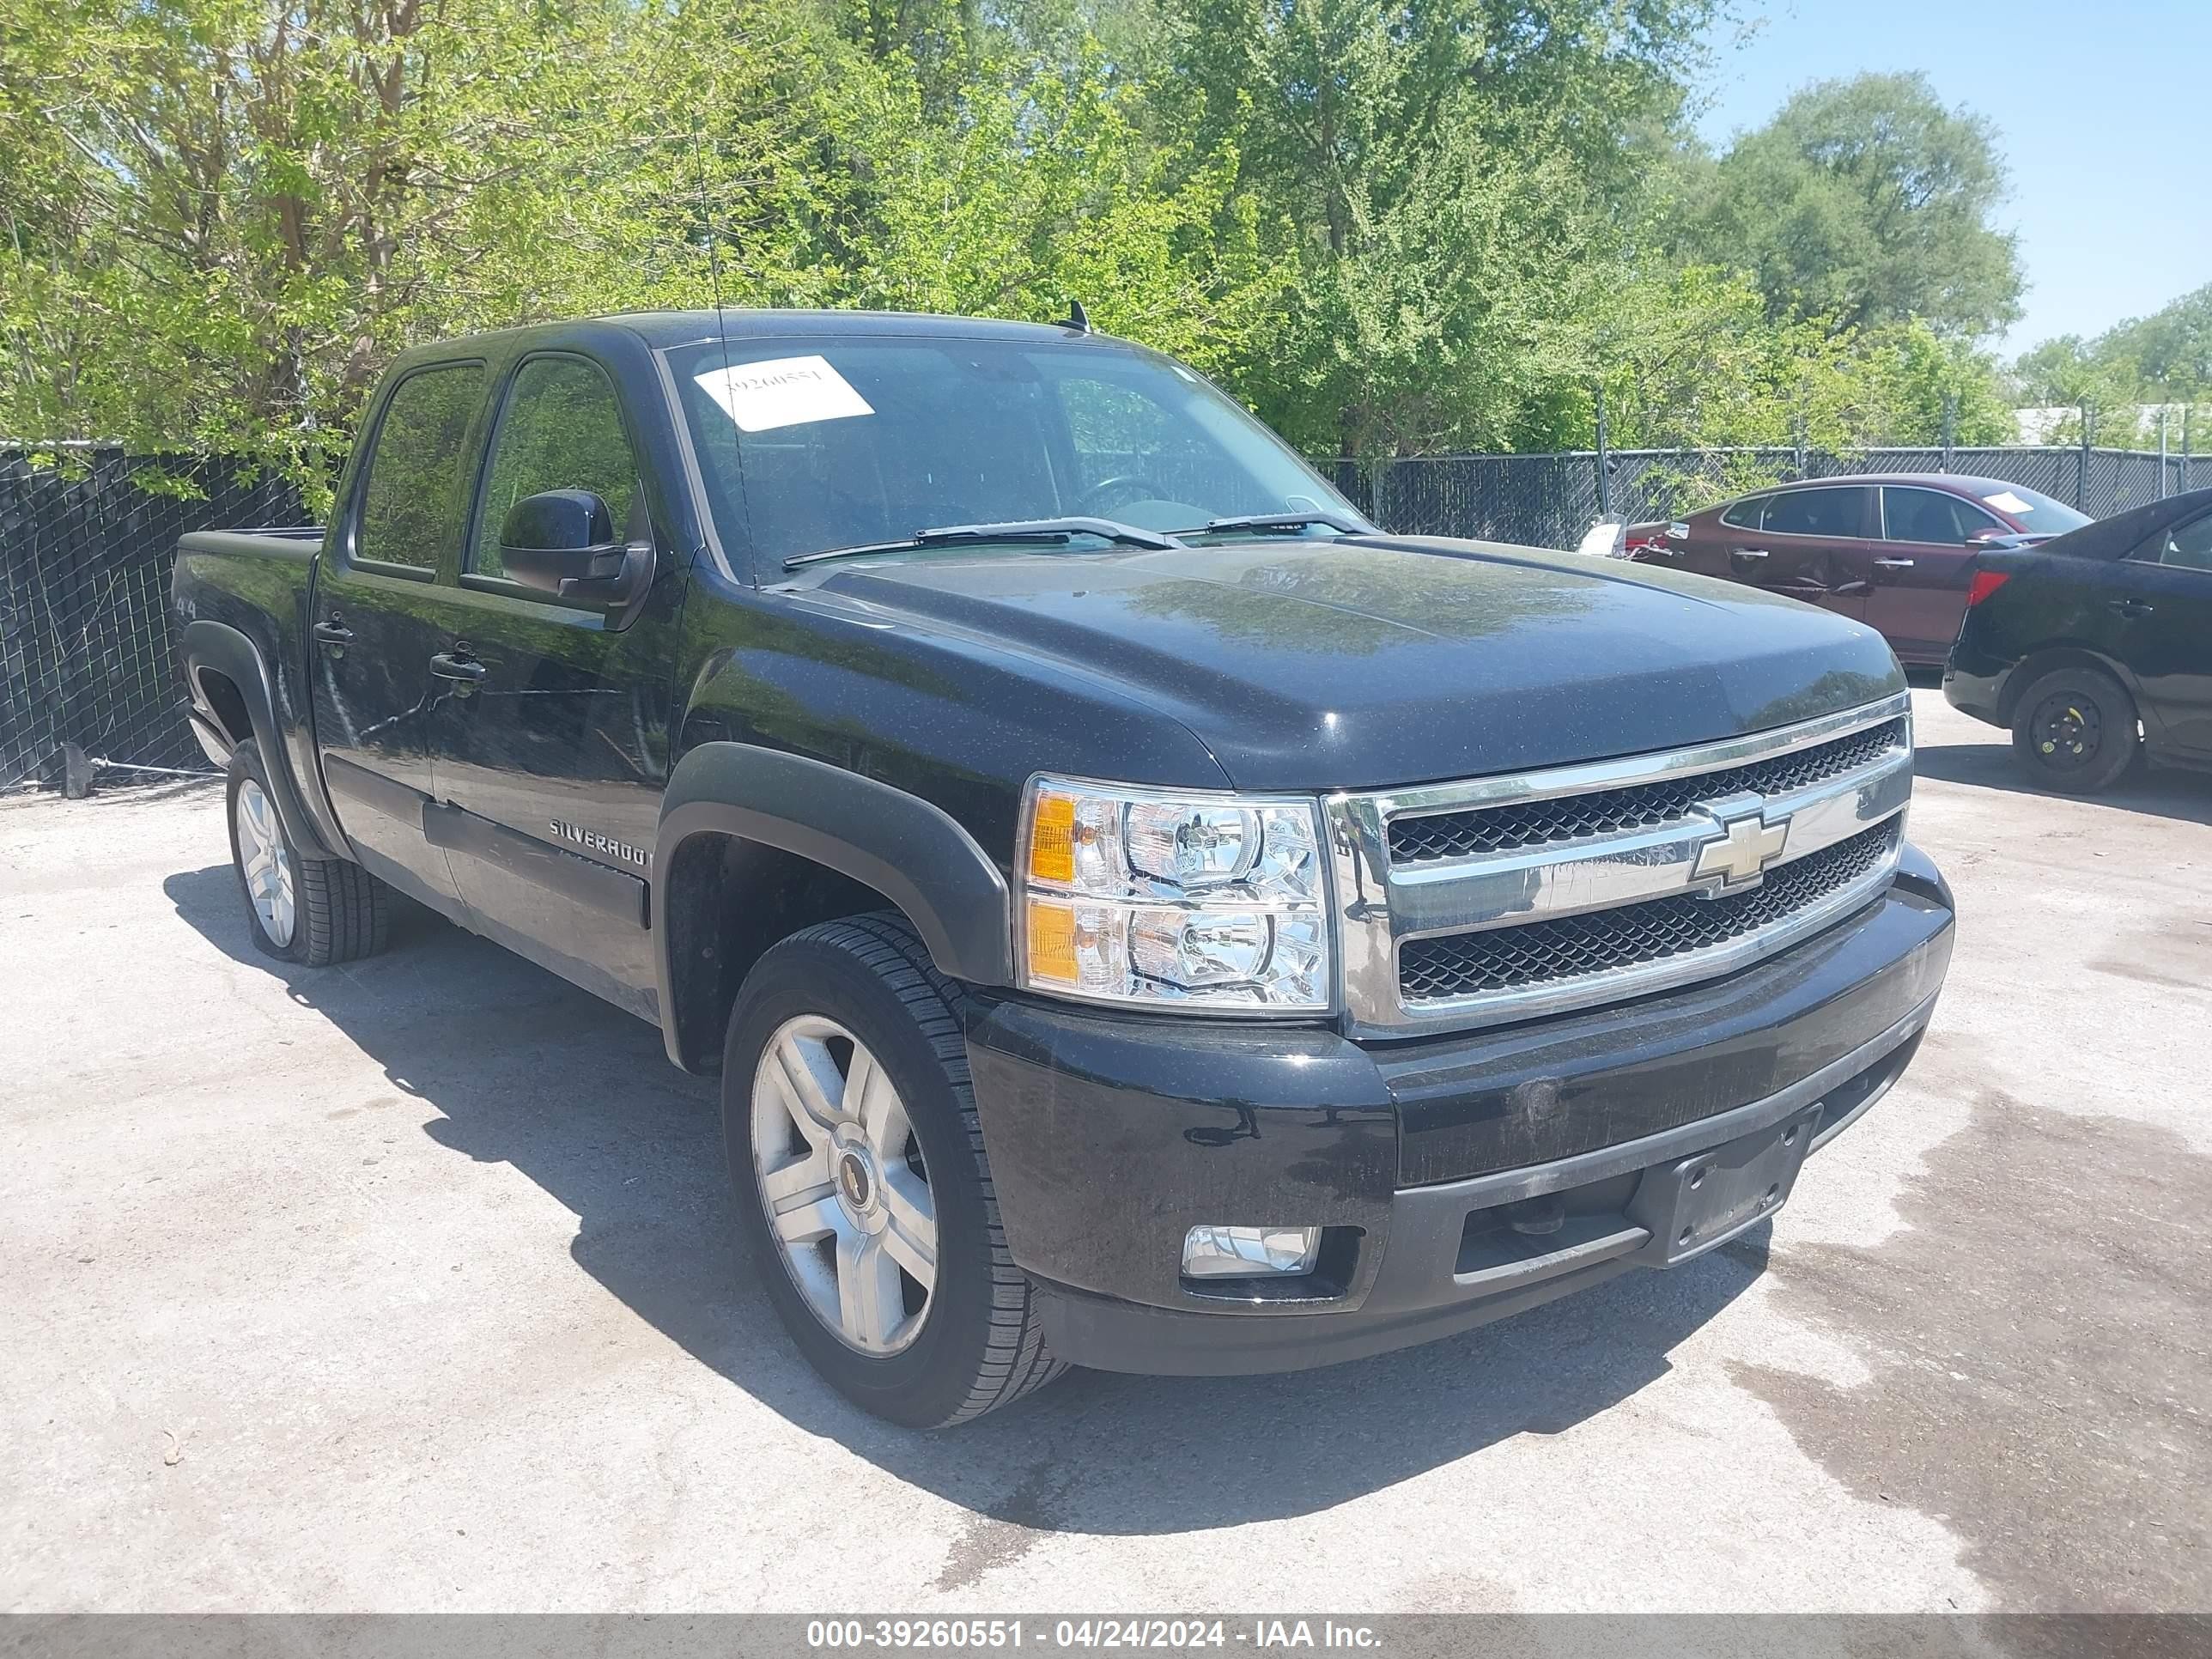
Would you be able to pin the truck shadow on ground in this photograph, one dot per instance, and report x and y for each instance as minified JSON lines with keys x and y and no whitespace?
{"x":524,"y":1069}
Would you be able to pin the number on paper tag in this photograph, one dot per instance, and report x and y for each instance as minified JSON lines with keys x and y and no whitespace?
{"x":782,"y":391}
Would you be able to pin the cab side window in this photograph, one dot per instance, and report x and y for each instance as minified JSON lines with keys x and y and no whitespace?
{"x":2189,"y":545}
{"x":1931,"y":515}
{"x":411,"y":500}
{"x":561,"y":429}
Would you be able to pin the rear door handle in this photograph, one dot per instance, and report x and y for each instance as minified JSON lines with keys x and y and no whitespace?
{"x":2131,"y":607}
{"x":463,"y":671}
{"x":1893,"y":564}
{"x":1747,"y":553}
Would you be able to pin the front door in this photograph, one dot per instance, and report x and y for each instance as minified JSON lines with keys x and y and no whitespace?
{"x":1917,"y":594}
{"x":378,"y":620}
{"x":552,"y":761}
{"x":2164,"y":601}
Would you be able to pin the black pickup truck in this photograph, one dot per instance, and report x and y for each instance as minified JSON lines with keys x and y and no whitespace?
{"x":1142,"y":915}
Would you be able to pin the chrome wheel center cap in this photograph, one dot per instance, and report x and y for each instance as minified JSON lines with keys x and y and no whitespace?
{"x":860,"y":1184}
{"x":854,"y":1181}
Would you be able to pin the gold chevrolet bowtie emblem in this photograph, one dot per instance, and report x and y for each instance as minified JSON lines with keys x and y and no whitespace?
{"x":1746,"y":847}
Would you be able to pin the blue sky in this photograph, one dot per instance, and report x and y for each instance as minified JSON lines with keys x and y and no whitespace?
{"x":2101,"y":105}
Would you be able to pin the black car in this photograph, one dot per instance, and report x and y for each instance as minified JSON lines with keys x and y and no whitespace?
{"x":2096,"y":645}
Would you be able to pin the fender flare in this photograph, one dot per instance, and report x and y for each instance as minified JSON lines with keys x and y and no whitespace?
{"x":223,"y":648}
{"x":912,"y":852}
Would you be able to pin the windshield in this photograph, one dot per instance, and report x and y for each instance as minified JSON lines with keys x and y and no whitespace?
{"x":836,"y":441}
{"x":2035,"y":512}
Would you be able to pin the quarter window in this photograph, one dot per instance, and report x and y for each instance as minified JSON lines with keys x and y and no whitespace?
{"x":1817,"y":512}
{"x":1932,"y":515}
{"x":561,"y":428}
{"x":410,"y":501}
{"x":1744,"y":515}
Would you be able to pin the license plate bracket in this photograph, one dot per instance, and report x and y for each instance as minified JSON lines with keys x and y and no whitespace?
{"x":1698,"y":1203}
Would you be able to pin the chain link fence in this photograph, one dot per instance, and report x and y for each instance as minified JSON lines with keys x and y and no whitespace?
{"x":1549,"y":501}
{"x":86,"y":643}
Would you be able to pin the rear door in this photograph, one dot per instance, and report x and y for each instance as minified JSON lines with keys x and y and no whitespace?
{"x":1811,"y":544}
{"x":552,"y":762}
{"x":1705,"y":548}
{"x":377,"y":621}
{"x":2163,"y":598}
{"x":1918,"y":573}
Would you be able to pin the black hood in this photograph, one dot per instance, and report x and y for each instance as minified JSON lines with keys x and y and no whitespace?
{"x":1321,"y":665}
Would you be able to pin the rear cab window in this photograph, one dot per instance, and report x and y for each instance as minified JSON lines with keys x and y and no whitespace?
{"x":411,"y":493}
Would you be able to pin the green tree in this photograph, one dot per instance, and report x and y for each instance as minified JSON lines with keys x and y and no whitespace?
{"x":1866,"y":201}
{"x":1445,"y":177}
{"x":2098,"y":387}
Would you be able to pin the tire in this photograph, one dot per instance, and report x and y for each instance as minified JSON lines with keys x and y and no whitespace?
{"x":860,"y":997}
{"x":2074,"y":730}
{"x":332,"y":910}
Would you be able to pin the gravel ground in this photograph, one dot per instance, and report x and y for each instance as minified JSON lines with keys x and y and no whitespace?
{"x":406,"y":1286}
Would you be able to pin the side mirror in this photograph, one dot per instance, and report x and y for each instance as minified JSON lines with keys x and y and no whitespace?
{"x":1982,"y":540}
{"x":562,"y":542}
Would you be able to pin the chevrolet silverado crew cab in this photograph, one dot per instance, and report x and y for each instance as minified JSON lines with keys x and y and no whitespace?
{"x":1141,"y":914}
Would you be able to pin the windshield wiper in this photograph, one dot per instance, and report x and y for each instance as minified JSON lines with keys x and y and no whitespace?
{"x":1042,"y":531}
{"x":1292,"y":519}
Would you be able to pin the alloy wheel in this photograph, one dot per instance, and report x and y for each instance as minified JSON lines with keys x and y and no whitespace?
{"x":843,"y":1180}
{"x":265,"y":865}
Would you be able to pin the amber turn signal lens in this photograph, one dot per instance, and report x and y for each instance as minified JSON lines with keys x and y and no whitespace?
{"x":1051,"y":934}
{"x":1052,"y":839}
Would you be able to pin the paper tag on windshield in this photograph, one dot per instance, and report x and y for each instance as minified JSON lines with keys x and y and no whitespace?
{"x":782,"y":391}
{"x":2005,"y":502}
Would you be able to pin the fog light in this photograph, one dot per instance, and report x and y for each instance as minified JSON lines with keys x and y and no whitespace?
{"x":1248,"y":1252}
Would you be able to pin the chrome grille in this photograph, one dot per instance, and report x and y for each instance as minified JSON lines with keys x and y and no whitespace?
{"x":1441,"y":835}
{"x":1506,"y":898}
{"x":1505,"y":958}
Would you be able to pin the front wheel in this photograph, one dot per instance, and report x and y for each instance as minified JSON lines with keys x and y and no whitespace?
{"x":863,"y":1196}
{"x":2074,"y":730}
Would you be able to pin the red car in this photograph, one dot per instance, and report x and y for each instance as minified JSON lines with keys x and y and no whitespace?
{"x":1893,"y":550}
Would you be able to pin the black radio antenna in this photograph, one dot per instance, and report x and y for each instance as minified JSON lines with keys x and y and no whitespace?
{"x":721,"y":321}
{"x":713,"y":253}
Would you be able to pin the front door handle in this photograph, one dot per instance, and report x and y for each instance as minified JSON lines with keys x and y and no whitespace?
{"x":463,"y":671}
{"x":1893,"y":564}
{"x":2130,"y":608}
{"x":334,"y":634}
{"x":1747,"y":553}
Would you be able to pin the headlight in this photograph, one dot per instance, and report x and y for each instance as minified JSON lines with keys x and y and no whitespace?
{"x":1146,"y":895}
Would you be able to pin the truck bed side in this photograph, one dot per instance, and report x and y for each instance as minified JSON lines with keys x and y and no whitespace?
{"x":242,"y":599}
